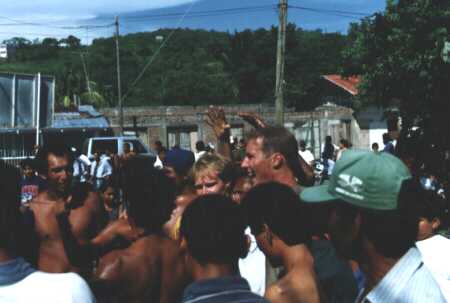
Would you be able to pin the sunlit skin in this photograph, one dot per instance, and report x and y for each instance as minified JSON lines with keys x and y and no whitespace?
{"x":59,"y":174}
{"x":85,"y":219}
{"x":170,"y":228}
{"x":427,"y":228}
{"x":209,"y":183}
{"x":256,"y":162}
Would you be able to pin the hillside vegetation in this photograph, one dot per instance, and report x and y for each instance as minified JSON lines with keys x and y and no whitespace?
{"x":193,"y":67}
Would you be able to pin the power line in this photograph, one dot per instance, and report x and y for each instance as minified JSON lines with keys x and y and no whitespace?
{"x":18,"y":22}
{"x":330,"y":11}
{"x":205,"y":13}
{"x":153,"y":57}
{"x":21,"y":34}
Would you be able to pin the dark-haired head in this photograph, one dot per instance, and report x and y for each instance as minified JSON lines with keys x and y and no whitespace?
{"x":58,"y":149}
{"x":213,"y":228}
{"x":149,"y":193}
{"x":277,"y":206}
{"x":200,"y":146}
{"x":55,"y":161}
{"x":390,"y":232}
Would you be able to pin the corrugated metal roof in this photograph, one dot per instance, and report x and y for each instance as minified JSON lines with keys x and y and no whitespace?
{"x":75,"y":120}
{"x":349,"y":84}
{"x":90,"y":110}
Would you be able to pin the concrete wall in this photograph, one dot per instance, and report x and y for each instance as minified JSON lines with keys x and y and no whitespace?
{"x":187,"y":123}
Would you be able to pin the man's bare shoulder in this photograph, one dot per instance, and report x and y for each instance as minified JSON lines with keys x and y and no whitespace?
{"x":143,"y":252}
{"x":299,"y":286}
{"x":42,"y":200}
{"x":93,"y":199}
{"x":276,"y":293}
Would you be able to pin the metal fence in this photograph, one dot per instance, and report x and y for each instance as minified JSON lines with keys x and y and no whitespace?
{"x":14,"y":147}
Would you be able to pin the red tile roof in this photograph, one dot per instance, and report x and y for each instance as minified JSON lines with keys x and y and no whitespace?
{"x":350,"y":84}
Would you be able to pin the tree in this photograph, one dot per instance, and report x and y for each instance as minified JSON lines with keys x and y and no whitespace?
{"x":17,"y":42}
{"x":398,"y":54}
{"x":71,"y":42}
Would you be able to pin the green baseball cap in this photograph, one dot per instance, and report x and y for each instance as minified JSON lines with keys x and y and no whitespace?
{"x":364,"y":179}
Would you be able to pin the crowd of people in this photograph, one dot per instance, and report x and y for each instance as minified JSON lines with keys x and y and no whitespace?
{"x":246,"y":222}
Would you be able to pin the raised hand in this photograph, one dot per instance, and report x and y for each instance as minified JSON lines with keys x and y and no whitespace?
{"x":253,"y":119}
{"x":218,"y":122}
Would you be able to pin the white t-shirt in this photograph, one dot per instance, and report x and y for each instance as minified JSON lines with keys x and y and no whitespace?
{"x":104,"y":168}
{"x":158,"y":163}
{"x":199,"y":154}
{"x":253,"y":267}
{"x":40,"y":287}
{"x":435,"y":253}
{"x":307,"y":156}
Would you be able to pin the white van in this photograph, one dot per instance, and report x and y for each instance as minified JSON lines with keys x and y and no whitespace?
{"x":115,"y":145}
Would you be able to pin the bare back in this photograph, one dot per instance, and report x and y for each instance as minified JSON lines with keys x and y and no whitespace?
{"x":150,"y":270}
{"x":84,"y":221}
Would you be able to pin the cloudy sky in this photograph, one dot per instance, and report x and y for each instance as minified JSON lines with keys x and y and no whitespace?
{"x":56,"y":18}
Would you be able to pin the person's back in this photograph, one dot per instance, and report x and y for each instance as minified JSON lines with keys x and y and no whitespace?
{"x":150,"y":270}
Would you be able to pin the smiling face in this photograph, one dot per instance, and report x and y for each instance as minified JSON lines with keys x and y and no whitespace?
{"x":209,"y":183}
{"x":59,"y":173}
{"x":256,"y":162}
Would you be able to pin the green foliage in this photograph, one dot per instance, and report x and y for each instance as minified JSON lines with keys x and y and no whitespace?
{"x":399,"y":55}
{"x":194,"y":67}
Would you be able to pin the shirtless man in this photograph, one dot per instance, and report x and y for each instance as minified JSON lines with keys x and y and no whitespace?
{"x":83,"y":207}
{"x":150,"y":269}
{"x":280,"y":228}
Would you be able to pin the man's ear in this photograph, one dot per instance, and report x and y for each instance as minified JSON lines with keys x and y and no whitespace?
{"x":435,"y":223}
{"x":277,"y":160}
{"x":267,"y":233}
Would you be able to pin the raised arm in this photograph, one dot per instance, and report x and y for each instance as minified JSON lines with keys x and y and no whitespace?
{"x":217,"y":121}
{"x":253,"y":119}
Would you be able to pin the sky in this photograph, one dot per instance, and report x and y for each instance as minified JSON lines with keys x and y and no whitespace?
{"x":88,"y":19}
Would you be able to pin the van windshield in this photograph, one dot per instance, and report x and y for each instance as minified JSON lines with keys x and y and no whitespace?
{"x":104,"y":146}
{"x":138,"y":148}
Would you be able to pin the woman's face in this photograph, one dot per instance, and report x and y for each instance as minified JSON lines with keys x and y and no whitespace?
{"x":209,"y":183}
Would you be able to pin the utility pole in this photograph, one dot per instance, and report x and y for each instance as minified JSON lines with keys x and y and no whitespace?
{"x":119,"y":89}
{"x":88,"y":85}
{"x":281,"y":46}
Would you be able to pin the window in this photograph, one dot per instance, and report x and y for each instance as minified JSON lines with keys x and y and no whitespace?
{"x":137,"y":146}
{"x":104,"y":145}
